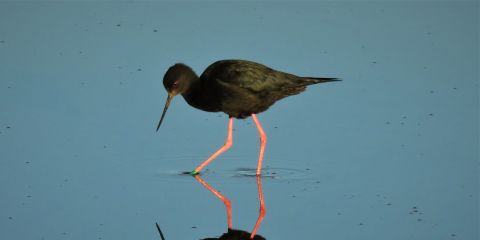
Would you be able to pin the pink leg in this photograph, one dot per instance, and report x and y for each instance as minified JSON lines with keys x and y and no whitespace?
{"x":225,"y":147}
{"x":262,"y":212}
{"x":225,"y":200}
{"x":263,"y":142}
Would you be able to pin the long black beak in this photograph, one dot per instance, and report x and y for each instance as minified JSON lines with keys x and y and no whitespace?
{"x":169,"y":98}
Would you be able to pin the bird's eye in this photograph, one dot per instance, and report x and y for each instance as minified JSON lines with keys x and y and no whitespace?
{"x":175,"y":84}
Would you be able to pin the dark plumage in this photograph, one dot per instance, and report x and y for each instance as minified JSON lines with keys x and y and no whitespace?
{"x":235,"y":87}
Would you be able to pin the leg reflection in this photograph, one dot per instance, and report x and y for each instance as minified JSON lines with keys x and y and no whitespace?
{"x":225,"y":200}
{"x":262,"y":210}
{"x":232,"y":232}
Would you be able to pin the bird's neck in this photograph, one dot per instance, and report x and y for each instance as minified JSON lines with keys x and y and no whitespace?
{"x":201,"y":97}
{"x":193,"y":86}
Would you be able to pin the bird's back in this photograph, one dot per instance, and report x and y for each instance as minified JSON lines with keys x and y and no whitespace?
{"x":245,"y":87}
{"x":249,"y":75}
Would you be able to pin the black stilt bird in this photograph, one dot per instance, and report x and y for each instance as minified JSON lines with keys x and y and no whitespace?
{"x":238,"y":88}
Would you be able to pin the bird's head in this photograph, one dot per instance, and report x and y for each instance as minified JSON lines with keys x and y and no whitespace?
{"x":177,"y":80}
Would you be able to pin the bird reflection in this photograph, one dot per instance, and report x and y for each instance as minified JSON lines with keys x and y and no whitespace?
{"x":233,"y":234}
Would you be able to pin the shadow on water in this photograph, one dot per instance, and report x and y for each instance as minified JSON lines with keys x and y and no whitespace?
{"x":233,"y":234}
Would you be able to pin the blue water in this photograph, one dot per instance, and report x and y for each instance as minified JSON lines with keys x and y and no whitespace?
{"x":391,"y":152}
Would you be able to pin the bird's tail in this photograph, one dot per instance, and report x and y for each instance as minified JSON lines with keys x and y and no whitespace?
{"x":322,"y":80}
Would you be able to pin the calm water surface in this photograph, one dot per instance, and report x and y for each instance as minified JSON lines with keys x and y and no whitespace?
{"x":391,"y":152}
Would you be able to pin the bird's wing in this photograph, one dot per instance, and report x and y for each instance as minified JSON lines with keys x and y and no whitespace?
{"x":254,"y":77}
